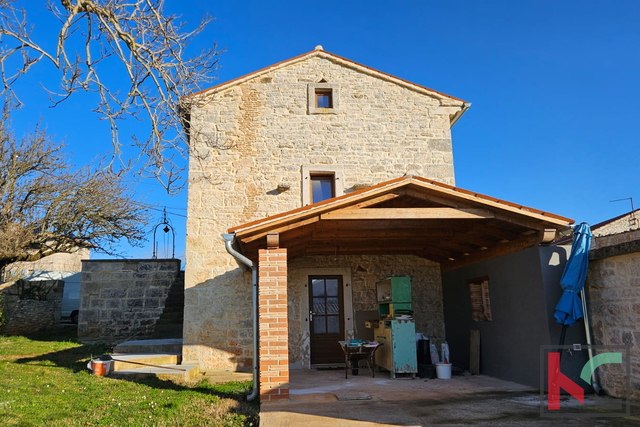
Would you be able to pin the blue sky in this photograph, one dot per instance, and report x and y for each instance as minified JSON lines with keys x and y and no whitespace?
{"x":553,"y":86}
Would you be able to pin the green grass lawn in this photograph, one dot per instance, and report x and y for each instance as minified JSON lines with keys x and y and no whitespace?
{"x":44,"y":381}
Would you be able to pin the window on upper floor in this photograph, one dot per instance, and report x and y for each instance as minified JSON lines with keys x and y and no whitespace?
{"x":322,"y":187}
{"x":323,"y":98}
{"x":321,"y":183}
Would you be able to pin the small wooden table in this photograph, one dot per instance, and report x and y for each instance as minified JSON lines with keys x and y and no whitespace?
{"x":356,"y":352}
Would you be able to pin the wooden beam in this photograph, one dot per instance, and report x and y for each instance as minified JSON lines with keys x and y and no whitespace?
{"x":407,"y":213}
{"x":375,"y":201}
{"x":493,"y":252}
{"x":383,"y":233}
{"x":248,"y":237}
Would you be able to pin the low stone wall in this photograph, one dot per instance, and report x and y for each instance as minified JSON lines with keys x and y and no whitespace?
{"x":123,"y":299}
{"x":613,"y":295}
{"x":31,"y":306}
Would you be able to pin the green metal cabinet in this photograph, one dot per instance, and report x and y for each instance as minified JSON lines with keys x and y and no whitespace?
{"x":398,"y":335}
{"x":394,"y":293}
{"x":398,"y":352}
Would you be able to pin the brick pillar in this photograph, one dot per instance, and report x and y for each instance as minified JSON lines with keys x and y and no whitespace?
{"x":273,"y":325}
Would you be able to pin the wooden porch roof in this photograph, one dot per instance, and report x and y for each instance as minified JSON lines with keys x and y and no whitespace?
{"x":408,"y":215}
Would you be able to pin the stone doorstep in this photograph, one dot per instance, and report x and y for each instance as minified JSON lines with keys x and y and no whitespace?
{"x":186,"y":373}
{"x":123,"y":361}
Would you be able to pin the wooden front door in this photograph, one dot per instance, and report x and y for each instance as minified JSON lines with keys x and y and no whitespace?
{"x":326,"y":319}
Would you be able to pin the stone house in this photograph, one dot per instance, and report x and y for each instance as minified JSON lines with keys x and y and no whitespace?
{"x":320,"y":170}
{"x":613,"y":296}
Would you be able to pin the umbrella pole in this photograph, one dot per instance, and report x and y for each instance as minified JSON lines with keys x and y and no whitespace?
{"x":587,"y":330}
{"x":563,"y":334}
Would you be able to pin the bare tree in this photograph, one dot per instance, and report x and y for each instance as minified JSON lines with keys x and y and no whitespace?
{"x":47,"y":206}
{"x":136,"y":36}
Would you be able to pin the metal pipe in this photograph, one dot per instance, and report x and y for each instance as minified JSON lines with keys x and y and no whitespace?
{"x":587,"y":331}
{"x":459,"y":114}
{"x":228,"y":244}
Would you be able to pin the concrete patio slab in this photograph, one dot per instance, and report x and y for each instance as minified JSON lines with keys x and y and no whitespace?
{"x":460,"y":401}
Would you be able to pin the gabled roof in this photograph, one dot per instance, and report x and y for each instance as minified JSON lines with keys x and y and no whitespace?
{"x":319,"y":52}
{"x":407,"y":215}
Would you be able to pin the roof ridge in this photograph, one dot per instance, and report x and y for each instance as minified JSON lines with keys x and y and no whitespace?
{"x":318,"y":51}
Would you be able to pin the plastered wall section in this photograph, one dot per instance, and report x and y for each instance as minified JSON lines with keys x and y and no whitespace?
{"x":613,"y":292}
{"x":380,"y":131}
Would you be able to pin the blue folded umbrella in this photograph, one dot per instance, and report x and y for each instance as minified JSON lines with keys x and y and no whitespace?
{"x":569,"y":308}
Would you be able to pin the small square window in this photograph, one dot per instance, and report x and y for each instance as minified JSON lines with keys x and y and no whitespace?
{"x":323,"y":98}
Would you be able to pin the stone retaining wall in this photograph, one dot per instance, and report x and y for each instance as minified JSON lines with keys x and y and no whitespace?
{"x":123,"y":299}
{"x":25,"y":315}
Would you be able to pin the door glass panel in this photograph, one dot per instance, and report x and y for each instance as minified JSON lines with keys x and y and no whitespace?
{"x":332,"y":287}
{"x":318,"y":287}
{"x":319,"y":326}
{"x":333,"y":324}
{"x":319,"y":306}
{"x":333,"y":306}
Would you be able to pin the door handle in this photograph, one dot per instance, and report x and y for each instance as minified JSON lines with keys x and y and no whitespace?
{"x":311,"y":313}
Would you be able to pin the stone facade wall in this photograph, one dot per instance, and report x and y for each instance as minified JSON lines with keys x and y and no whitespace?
{"x":381,"y":130}
{"x":613,"y":295}
{"x":123,"y":299}
{"x":27,"y":315}
{"x":360,"y":274}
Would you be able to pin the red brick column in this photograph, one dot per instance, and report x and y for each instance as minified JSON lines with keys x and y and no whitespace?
{"x":273,"y":325}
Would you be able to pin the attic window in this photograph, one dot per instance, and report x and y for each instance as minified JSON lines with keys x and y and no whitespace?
{"x":323,"y":98}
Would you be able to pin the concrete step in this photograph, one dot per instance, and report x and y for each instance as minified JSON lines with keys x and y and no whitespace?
{"x":165,"y":345}
{"x":125,"y":362}
{"x":166,"y":372}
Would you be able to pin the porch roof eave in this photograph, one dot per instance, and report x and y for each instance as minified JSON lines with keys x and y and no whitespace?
{"x":407,"y":215}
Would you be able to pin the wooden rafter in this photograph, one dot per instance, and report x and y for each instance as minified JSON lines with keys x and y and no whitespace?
{"x":407,"y":213}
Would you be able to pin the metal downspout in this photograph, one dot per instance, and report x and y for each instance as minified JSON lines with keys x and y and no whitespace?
{"x":228,"y":242}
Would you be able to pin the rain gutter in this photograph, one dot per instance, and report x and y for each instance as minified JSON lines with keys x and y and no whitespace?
{"x":229,"y":239}
{"x":459,"y":114}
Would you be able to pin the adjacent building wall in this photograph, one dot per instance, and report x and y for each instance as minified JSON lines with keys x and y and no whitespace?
{"x":613,"y":289}
{"x":381,"y":130}
{"x":523,"y":289}
{"x":53,"y":262}
{"x":123,"y":299}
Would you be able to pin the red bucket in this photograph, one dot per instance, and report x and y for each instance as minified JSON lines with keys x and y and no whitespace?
{"x":100,"y":368}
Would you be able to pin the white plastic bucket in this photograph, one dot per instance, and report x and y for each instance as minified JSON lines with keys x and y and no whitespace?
{"x":443,"y":371}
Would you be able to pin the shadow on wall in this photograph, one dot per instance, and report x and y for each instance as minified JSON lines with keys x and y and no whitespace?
{"x":218,"y":326}
{"x":523,"y":290}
